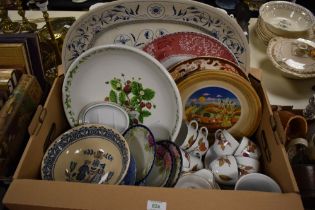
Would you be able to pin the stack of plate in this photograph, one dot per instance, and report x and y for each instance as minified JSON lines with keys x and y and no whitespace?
{"x":285,"y":19}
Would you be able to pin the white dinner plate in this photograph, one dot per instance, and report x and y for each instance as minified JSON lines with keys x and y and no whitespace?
{"x":136,"y":23}
{"x":132,"y":79}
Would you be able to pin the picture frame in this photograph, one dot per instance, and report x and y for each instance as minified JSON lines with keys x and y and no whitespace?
{"x":32,"y":46}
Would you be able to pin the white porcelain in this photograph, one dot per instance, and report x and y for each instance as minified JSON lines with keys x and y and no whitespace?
{"x":105,"y":113}
{"x":193,"y":181}
{"x":190,"y":162}
{"x":225,"y":170}
{"x":187,"y":134}
{"x":248,"y":148}
{"x":129,"y":77}
{"x":136,"y":23}
{"x":210,"y":156}
{"x":87,"y":153}
{"x":284,"y":55}
{"x":205,"y":173}
{"x":162,"y":167}
{"x":201,"y":145}
{"x":143,"y":149}
{"x":283,"y":17}
{"x":257,"y":182}
{"x":247,"y":165}
{"x":195,"y":163}
{"x":186,"y":160}
{"x":225,"y":143}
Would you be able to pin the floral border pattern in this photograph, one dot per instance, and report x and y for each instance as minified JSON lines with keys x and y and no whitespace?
{"x":82,"y":34}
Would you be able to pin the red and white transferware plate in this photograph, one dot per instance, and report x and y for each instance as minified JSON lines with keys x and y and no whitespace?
{"x":173,"y":48}
{"x":183,"y":69}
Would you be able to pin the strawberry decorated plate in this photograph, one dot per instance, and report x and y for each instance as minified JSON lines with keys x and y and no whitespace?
{"x":130,"y":78}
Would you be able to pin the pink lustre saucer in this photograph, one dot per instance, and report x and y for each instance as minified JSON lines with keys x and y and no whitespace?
{"x":173,"y":48}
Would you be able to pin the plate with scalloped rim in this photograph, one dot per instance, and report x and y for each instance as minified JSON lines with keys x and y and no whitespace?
{"x":129,"y":77}
{"x":136,"y":23}
{"x":280,"y":52}
{"x":182,"y":69}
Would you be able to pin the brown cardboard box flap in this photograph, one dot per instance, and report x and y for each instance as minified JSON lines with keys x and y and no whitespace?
{"x":60,"y":196}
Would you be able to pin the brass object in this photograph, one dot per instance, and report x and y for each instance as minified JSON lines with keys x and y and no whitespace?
{"x":6,"y":25}
{"x":26,"y":26}
{"x":60,"y":28}
{"x":52,"y":37}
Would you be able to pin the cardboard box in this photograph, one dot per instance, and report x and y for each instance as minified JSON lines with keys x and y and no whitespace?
{"x":28,"y":191}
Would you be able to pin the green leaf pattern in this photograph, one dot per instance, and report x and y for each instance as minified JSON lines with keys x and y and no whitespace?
{"x":130,"y":94}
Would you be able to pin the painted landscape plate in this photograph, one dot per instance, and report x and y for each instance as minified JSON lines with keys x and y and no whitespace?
{"x":88,"y":153}
{"x":132,"y":79}
{"x":182,"y":69}
{"x":136,"y":23}
{"x":175,"y":47}
{"x":221,"y":100}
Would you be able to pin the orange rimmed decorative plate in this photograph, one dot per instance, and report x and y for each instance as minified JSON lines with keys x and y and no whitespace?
{"x":182,"y":69}
{"x":221,"y":100}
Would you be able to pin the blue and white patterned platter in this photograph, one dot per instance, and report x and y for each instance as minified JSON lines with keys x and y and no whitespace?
{"x":136,"y":23}
{"x":88,"y":153}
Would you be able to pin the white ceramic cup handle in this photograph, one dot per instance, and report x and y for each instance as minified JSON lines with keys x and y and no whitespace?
{"x":193,"y":122}
{"x":204,"y":130}
{"x":217,"y":132}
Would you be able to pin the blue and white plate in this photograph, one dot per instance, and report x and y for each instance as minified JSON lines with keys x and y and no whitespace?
{"x":88,"y":153}
{"x":130,"y":178}
{"x":137,"y":22}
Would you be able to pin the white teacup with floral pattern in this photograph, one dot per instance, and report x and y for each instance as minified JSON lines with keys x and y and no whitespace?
{"x":225,"y":170}
{"x":187,"y":135}
{"x":225,"y":143}
{"x":247,"y":165}
{"x":248,"y":148}
{"x":201,"y":145}
{"x":190,"y":162}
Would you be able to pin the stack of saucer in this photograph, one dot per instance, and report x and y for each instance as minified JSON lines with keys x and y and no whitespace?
{"x":285,"y":19}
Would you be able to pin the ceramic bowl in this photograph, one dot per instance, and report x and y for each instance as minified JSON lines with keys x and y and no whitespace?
{"x":286,"y":18}
{"x":225,"y":170}
{"x":193,"y":181}
{"x":142,"y":147}
{"x":88,"y":153}
{"x":257,"y":182}
{"x":106,"y":113}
